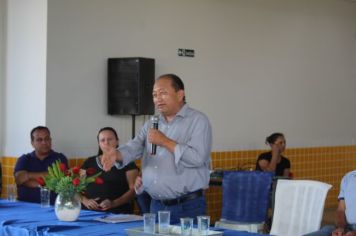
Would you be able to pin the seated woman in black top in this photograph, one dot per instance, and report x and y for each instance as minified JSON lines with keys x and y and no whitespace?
{"x":117,"y":193}
{"x":274,"y":161}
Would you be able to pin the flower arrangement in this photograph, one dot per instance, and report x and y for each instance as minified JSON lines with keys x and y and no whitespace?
{"x":68,"y":182}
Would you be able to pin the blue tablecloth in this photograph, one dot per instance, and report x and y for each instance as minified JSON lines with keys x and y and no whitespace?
{"x":28,"y":219}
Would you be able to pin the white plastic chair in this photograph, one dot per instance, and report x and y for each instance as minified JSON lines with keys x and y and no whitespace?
{"x":245,"y":200}
{"x":298,"y":207}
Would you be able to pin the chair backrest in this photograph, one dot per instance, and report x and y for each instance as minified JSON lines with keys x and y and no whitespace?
{"x":298,"y":206}
{"x":246,"y":196}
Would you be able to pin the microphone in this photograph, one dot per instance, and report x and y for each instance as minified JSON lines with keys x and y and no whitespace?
{"x":154,"y":125}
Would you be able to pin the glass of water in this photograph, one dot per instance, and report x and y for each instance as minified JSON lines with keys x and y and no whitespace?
{"x":11,"y":192}
{"x":149,"y":222}
{"x":163,"y":221}
{"x":186,"y":226}
{"x":203,"y":225}
{"x":45,"y":197}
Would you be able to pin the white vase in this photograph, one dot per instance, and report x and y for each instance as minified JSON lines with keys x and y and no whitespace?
{"x":67,"y":208}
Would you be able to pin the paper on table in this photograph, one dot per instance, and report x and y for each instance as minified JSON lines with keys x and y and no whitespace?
{"x":119,"y":218}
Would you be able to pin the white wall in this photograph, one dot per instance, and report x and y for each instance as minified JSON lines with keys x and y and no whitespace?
{"x":260,"y":66}
{"x":25,"y":85}
{"x":2,"y":72}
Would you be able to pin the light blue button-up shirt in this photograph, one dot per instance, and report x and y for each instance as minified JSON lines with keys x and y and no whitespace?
{"x":169,"y":175}
{"x":348,"y":193}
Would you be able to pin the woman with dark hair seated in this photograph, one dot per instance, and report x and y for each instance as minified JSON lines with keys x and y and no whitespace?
{"x":273,"y":160}
{"x":117,"y":193}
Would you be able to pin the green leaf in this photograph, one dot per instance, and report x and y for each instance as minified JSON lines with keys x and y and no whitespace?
{"x":92,"y":178}
{"x":50,"y":171}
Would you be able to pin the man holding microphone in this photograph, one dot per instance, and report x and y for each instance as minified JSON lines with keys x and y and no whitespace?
{"x":177,"y":172}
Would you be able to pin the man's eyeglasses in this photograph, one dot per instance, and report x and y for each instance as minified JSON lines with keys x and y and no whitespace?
{"x":40,"y":140}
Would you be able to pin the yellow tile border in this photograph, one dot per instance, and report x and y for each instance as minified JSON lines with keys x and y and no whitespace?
{"x":326,"y":164}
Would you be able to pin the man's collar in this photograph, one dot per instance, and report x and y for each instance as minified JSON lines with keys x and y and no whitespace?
{"x":33,"y":154}
{"x":181,"y":113}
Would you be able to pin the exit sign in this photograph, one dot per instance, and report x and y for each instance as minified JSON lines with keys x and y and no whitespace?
{"x":183,"y":52}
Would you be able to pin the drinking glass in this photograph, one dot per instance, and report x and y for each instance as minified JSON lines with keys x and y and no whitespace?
{"x":163,"y":221}
{"x":186,"y":226}
{"x":149,"y":222}
{"x":11,"y":192}
{"x":203,"y":225}
{"x":45,"y":197}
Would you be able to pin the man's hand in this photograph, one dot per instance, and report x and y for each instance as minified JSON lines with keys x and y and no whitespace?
{"x":138,"y":182}
{"x":28,"y":179}
{"x":138,"y":186}
{"x":338,"y":232}
{"x":109,"y":157}
{"x":157,"y":137}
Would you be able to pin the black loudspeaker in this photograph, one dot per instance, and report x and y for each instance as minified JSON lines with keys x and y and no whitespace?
{"x":130,"y":84}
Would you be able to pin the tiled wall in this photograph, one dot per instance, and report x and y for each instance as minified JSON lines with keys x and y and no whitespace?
{"x":326,"y":164}
{"x":8,"y":164}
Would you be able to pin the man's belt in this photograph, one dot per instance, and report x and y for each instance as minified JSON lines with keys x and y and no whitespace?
{"x":182,"y":199}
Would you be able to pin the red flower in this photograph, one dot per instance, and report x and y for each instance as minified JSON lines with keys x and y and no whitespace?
{"x":76,"y":181}
{"x":290,"y":175}
{"x":99,"y":180}
{"x":75,"y":170}
{"x":67,"y":173}
{"x":90,"y":171}
{"x":63,"y":167}
{"x":40,"y":181}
